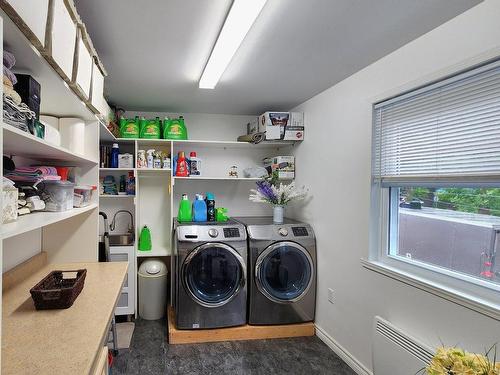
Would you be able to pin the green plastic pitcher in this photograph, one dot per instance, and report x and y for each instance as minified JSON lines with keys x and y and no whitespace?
{"x":145,"y":239}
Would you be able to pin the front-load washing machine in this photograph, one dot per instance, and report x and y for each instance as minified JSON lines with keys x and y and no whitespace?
{"x":209,"y":275}
{"x":282,"y":271}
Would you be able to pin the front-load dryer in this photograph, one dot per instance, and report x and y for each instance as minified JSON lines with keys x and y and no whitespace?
{"x":209,"y":273}
{"x":282,"y":271}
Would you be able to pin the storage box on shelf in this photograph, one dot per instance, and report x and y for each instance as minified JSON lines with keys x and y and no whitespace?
{"x":31,"y":18}
{"x":57,"y":97}
{"x":96,"y":101}
{"x":60,"y":37}
{"x":50,"y":28}
{"x":82,"y":64}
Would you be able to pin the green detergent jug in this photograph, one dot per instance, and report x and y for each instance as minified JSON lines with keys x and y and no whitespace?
{"x":150,"y":129}
{"x":145,"y":243}
{"x":129,"y":128}
{"x":185,"y":210}
{"x":174,"y":128}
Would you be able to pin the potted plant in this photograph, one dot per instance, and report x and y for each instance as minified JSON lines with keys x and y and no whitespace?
{"x":455,"y":361}
{"x":268,"y":191}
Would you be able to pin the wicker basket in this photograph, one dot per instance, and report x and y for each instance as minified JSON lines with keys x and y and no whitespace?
{"x":56,"y":292}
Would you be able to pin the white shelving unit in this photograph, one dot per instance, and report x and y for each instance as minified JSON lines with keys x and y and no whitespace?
{"x":69,"y":236}
{"x":19,"y":143}
{"x":38,"y":220}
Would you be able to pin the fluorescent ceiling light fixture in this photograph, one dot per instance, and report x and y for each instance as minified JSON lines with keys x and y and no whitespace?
{"x":240,"y":19}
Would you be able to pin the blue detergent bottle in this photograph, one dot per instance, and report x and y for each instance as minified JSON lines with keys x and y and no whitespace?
{"x":199,"y":209}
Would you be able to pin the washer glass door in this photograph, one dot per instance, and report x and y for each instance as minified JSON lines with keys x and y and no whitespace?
{"x":284,"y":272}
{"x":214,"y":274}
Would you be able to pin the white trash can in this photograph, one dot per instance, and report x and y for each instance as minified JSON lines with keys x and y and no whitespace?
{"x":153,"y":279}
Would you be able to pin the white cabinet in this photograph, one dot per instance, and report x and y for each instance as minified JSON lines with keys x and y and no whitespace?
{"x":126,"y":301}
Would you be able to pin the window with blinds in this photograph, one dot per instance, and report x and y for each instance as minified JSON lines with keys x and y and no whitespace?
{"x":449,"y":129}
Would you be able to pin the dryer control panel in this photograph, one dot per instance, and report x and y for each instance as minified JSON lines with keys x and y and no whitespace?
{"x":231,"y":232}
{"x":300,"y":231}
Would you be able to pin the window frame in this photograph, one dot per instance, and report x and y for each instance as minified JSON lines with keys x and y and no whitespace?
{"x":476,"y":294}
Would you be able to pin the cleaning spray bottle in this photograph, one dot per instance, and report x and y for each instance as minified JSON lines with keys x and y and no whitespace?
{"x":145,"y":239}
{"x":182,"y":169}
{"x":185,"y":210}
{"x":150,"y":158}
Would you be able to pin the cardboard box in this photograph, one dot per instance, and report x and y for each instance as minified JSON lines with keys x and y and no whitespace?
{"x":294,"y":129}
{"x":282,"y":166}
{"x":273,"y":124}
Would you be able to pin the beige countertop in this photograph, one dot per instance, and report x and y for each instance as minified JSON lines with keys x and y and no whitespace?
{"x":59,"y":341}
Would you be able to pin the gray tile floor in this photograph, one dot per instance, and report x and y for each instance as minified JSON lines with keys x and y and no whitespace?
{"x":150,"y":354}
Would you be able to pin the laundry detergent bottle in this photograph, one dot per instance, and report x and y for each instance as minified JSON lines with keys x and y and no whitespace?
{"x":199,"y":209}
{"x":185,"y":210}
{"x":210,"y":201}
{"x":182,"y":169}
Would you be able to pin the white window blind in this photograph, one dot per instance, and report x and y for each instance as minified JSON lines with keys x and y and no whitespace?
{"x":448,"y":129}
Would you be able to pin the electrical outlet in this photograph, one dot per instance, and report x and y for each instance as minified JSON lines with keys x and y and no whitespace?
{"x":330,"y":295}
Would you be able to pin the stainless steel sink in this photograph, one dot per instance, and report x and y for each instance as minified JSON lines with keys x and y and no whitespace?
{"x":126,"y":239}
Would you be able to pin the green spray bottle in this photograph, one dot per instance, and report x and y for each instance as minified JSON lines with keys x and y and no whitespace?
{"x":145,"y":243}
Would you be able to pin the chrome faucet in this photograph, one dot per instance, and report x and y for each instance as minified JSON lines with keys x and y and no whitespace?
{"x":112,"y":226}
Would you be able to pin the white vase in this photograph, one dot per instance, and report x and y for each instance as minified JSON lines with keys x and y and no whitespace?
{"x":278,"y":212}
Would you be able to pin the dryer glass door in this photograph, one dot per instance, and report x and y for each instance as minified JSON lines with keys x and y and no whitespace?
{"x":284,"y":272}
{"x":213,"y":274}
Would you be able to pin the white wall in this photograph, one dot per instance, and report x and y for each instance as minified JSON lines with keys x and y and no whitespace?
{"x":338,"y":138}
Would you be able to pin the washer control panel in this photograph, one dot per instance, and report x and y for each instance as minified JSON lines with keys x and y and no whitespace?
{"x":231,"y":232}
{"x":300,"y":231}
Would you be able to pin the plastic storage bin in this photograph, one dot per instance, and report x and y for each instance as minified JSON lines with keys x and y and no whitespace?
{"x":83,"y":195}
{"x":152,"y":289}
{"x":58,"y":195}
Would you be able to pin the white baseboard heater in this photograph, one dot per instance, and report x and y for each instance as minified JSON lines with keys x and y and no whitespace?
{"x":395,"y":352}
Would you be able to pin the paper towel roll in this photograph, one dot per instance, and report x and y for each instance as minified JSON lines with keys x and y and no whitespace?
{"x":52,"y":134}
{"x":72,"y":134}
{"x":50,"y":120}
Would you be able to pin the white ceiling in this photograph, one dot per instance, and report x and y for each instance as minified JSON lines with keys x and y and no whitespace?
{"x":155,"y":50}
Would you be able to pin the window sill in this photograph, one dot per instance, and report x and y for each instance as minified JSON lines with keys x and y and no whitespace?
{"x":484,"y":307}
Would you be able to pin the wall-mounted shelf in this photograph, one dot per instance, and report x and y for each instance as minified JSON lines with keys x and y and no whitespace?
{"x":154,"y":170}
{"x":37,"y":220}
{"x":201,"y":178}
{"x":106,"y":196}
{"x":116,"y":169}
{"x":232,"y":144}
{"x":19,"y":143}
{"x":104,"y":134}
{"x":155,"y":252}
